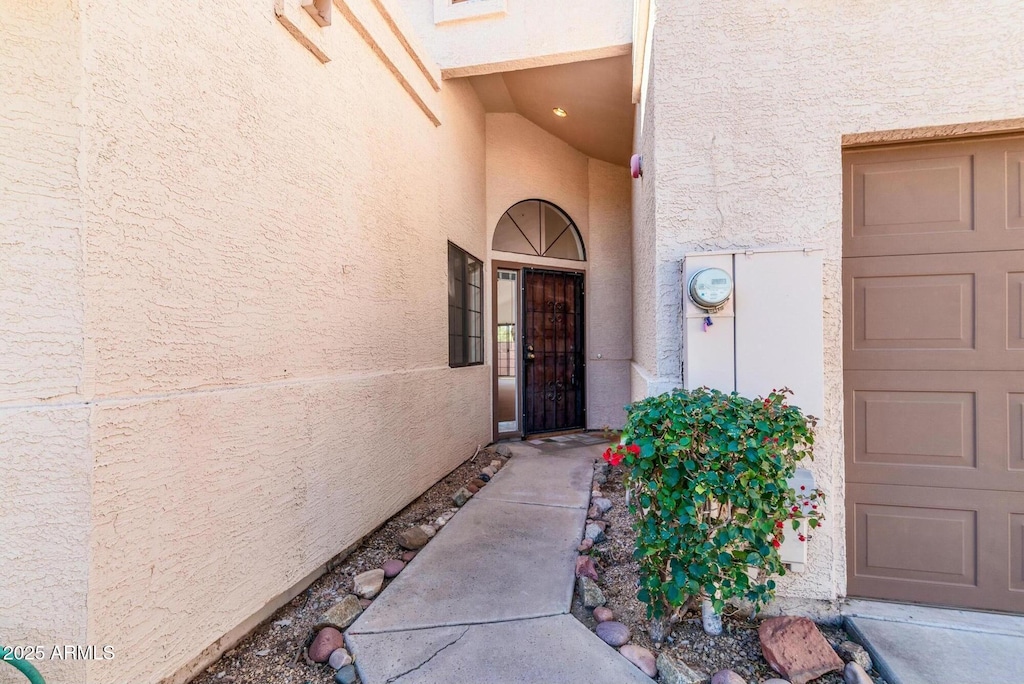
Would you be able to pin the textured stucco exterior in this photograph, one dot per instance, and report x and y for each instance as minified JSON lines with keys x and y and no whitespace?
{"x":529,"y":33}
{"x":750,"y":106}
{"x":526,"y":162}
{"x":44,"y":437}
{"x":228,"y":296}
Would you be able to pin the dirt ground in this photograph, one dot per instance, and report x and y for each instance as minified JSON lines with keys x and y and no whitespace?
{"x":737,"y":648}
{"x":273,"y":652}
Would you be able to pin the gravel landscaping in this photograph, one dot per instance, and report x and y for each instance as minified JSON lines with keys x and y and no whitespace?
{"x":738,"y":648}
{"x":276,"y":651}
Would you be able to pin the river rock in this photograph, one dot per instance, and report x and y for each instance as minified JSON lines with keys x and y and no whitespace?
{"x":326,"y":641}
{"x":594,"y":533}
{"x":367,"y":584}
{"x":853,"y":673}
{"x":590,"y":593}
{"x":460,"y":497}
{"x":496,"y":464}
{"x":413,"y":539}
{"x":346,"y":675}
{"x":341,"y":614}
{"x":585,"y":545}
{"x":641,"y":657}
{"x":408,"y":556}
{"x":795,"y":648}
{"x":478,"y":483}
{"x":392,"y":567}
{"x":671,"y":670}
{"x":472,"y":488}
{"x":603,"y":504}
{"x":503,"y":450}
{"x":585,"y":567}
{"x":613,"y":633}
{"x":727,"y":677}
{"x":339,"y":658}
{"x":603,"y":614}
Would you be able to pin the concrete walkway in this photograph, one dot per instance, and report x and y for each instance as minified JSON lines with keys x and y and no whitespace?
{"x":922,"y":645}
{"x":488,"y":599}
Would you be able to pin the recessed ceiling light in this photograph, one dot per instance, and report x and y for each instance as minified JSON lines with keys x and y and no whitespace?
{"x":558,"y":111}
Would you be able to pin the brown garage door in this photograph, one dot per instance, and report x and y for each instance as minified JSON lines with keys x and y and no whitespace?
{"x":933,"y":308}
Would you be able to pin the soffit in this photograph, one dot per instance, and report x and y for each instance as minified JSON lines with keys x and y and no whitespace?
{"x":596,"y":94}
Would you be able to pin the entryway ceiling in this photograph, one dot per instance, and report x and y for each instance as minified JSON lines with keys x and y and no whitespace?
{"x":596,"y":96}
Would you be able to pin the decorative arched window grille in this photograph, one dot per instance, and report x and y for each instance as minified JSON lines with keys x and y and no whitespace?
{"x":538,"y":228}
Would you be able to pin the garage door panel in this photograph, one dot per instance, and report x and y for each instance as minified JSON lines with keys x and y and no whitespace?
{"x":940,"y":190}
{"x":935,"y":546}
{"x":933,"y":355}
{"x":961,"y":430}
{"x":937,"y":311}
{"x":936,"y":198}
{"x":1015,"y":310}
{"x":1014,"y":189}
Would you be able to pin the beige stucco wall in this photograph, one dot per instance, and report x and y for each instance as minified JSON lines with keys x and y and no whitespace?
{"x":44,"y":436}
{"x":225,"y":287}
{"x":751,"y":101}
{"x":526,"y":162}
{"x":528,"y":33}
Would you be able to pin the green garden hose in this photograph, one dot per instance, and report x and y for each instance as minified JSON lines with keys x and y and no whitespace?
{"x":24,"y":667}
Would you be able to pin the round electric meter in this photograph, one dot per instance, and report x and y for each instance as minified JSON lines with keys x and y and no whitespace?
{"x":710,"y":288}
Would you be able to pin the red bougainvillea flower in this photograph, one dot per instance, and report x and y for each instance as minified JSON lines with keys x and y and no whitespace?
{"x":613,"y":457}
{"x":779,"y":525}
{"x":776,"y":543}
{"x":633,"y":449}
{"x":802,"y":538}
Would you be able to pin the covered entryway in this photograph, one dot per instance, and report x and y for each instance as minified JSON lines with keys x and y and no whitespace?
{"x":933,"y":307}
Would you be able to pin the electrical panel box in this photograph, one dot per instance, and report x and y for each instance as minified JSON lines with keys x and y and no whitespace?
{"x":708,"y":338}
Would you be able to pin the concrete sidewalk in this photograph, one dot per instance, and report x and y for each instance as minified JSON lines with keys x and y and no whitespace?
{"x":923,"y":645}
{"x":488,"y":599}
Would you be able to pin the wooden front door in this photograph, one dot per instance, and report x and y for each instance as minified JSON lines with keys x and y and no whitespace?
{"x":552,"y":344}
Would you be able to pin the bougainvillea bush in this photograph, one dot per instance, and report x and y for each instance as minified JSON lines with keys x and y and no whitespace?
{"x":707,"y":474}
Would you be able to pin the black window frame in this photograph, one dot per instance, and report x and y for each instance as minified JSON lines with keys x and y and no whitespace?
{"x":460,"y":328}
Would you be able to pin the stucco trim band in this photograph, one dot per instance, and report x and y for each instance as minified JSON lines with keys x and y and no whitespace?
{"x":934,"y":132}
{"x":533,"y":62}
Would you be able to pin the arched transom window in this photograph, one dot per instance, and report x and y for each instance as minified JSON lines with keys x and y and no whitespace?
{"x":538,"y":228}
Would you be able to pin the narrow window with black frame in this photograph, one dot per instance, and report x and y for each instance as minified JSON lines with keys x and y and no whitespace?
{"x":465,"y":309}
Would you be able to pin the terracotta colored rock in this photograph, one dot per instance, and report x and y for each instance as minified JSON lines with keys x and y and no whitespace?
{"x":641,"y":657}
{"x":413,"y":539}
{"x":365,"y":602}
{"x":392,"y":567}
{"x":593,"y":512}
{"x":341,"y":614}
{"x":585,"y":545}
{"x":603,"y":614}
{"x":795,"y":648}
{"x":775,"y":680}
{"x":613,"y":633}
{"x":326,"y":642}
{"x":472,"y":488}
{"x":478,"y":483}
{"x":409,"y":555}
{"x":585,"y":567}
{"x":727,"y":677}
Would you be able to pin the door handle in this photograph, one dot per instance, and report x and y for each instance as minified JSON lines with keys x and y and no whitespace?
{"x":530,"y":356}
